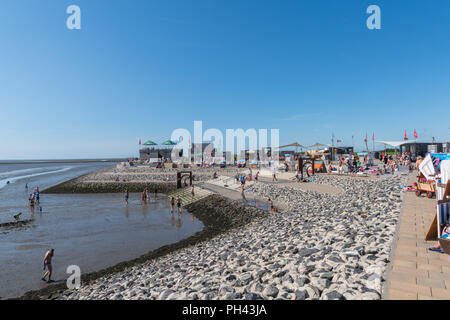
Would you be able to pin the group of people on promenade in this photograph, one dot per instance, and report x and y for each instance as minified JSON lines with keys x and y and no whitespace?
{"x":240,"y":178}
{"x":393,"y":162}
{"x":243,"y":179}
{"x":353,"y":164}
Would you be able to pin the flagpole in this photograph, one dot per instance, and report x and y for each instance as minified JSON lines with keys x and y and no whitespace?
{"x":353,"y":141}
{"x":415,"y":143}
{"x":367,"y":147}
{"x":373,"y":142}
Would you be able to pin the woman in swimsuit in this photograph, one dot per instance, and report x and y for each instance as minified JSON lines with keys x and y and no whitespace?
{"x":31,"y":200}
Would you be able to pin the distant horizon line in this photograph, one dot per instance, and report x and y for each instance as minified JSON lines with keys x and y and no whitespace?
{"x":104,"y":159}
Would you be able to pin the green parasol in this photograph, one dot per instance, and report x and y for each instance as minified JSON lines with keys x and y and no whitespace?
{"x":168,"y":143}
{"x":150,"y":143}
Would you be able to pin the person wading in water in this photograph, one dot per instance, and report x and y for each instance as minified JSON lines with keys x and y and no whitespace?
{"x":48,"y":263}
{"x":179,"y":205}
{"x":127,"y":195}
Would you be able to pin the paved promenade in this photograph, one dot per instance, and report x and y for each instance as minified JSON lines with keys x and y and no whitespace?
{"x":415,"y":272}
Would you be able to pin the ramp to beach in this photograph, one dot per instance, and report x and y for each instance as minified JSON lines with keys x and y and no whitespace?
{"x":186,"y":197}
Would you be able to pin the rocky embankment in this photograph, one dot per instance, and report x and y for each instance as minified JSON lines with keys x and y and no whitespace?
{"x":15,"y":224}
{"x":323,"y":247}
{"x":134,"y":179}
{"x":77,"y":186}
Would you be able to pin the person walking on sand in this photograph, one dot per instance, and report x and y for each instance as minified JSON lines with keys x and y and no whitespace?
{"x":192,"y":191}
{"x":126,"y":196}
{"x":48,"y":264}
{"x":274,"y":173}
{"x":179,"y":205}
{"x":172,"y":204}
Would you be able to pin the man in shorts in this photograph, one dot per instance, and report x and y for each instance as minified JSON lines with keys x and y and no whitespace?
{"x":48,"y":264}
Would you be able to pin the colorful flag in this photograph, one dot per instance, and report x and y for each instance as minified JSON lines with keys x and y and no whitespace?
{"x":415,"y":134}
{"x":406,"y":137}
{"x":365,"y":140}
{"x":139,"y":141}
{"x":373,"y":136}
{"x":339,"y":141}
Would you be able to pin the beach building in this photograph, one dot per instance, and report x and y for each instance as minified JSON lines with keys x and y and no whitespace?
{"x":446,"y":147}
{"x":208,"y":152}
{"x":154,"y":153}
{"x":336,"y":152}
{"x":166,"y":153}
{"x":421,"y":148}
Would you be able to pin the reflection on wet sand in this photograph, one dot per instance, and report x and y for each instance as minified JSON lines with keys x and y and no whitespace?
{"x":93,"y":231}
{"x":172,"y":219}
{"x":179,"y":221}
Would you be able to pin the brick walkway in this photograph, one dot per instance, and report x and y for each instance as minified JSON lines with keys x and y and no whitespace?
{"x":416,"y":273}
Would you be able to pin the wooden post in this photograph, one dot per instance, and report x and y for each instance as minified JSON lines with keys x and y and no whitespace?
{"x":300,"y":164}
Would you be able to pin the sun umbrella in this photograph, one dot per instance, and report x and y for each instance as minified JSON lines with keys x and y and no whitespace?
{"x":150,"y":143}
{"x":295,"y":144}
{"x":168,"y":143}
{"x":317,"y":145}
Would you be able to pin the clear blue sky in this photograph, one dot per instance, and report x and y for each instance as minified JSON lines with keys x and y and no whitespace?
{"x":142,"y":68}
